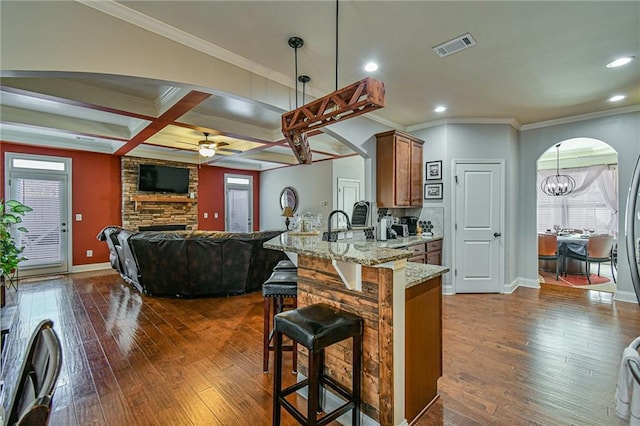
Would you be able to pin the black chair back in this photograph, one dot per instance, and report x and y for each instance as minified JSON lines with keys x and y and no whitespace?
{"x":39,"y":373}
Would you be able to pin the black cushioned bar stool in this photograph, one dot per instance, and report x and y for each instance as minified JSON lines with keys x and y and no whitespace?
{"x":285,"y":265}
{"x":280,"y":287}
{"x":317,"y":327}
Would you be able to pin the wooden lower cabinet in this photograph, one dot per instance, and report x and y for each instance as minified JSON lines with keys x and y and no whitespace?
{"x":434,"y":252}
{"x":423,"y":345}
{"x":429,"y":252}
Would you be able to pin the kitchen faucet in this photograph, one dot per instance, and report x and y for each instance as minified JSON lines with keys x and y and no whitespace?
{"x":328,"y":235}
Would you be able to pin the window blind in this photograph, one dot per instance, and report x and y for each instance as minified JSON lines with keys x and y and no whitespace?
{"x":42,"y":243}
{"x":586,"y":210}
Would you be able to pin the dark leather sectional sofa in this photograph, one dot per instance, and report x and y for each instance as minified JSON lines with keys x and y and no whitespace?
{"x":191,"y":263}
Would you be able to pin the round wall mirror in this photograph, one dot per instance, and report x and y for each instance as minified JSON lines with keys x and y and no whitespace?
{"x":288,"y":198}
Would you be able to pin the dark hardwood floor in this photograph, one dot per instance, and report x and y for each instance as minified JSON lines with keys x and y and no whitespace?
{"x":540,"y":357}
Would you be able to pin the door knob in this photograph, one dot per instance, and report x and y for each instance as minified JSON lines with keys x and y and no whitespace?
{"x":497,"y":234}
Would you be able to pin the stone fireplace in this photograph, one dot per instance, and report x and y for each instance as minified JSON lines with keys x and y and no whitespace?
{"x":154,"y":209}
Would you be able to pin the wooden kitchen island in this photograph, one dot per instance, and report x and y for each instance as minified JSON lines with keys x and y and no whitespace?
{"x":400,"y":303}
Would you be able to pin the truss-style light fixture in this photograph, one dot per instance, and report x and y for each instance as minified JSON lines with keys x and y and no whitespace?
{"x":353,"y":100}
{"x":205,"y":148}
{"x":557,"y":185}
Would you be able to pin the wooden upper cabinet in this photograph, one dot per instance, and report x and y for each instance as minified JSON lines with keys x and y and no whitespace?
{"x":398,"y":170}
{"x":415,"y":187}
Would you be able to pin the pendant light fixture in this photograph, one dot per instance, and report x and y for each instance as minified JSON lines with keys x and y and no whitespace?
{"x":351,"y":101}
{"x":557,"y":185}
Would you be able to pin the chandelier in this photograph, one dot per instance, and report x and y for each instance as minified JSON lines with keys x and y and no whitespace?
{"x":556,"y":185}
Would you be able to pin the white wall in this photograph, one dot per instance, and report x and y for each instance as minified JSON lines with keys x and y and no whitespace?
{"x":313,"y":183}
{"x":348,"y":168}
{"x":622,"y":132}
{"x":475,"y":142}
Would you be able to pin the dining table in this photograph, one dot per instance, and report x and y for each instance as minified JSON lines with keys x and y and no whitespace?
{"x":576,"y":244}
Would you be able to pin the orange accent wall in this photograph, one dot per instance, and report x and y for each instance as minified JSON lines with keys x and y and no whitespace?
{"x":96,"y":194}
{"x":211,"y":197}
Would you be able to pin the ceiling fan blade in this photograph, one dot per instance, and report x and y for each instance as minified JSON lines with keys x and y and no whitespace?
{"x":235,"y":151}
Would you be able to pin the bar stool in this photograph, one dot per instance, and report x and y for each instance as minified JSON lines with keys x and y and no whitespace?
{"x":317,"y":327}
{"x":285,"y":265}
{"x":280,"y":286}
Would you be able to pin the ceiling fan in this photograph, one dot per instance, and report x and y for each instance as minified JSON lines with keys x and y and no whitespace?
{"x":207,"y":148}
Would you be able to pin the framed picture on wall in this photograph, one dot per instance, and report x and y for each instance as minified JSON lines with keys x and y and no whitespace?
{"x":433,"y":170}
{"x":433,"y":191}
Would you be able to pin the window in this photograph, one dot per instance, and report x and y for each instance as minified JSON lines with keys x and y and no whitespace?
{"x":586,"y":208}
{"x":22,"y":163}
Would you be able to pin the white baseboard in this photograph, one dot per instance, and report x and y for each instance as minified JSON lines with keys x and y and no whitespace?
{"x":625,"y":296}
{"x":90,"y":267}
{"x":509,"y":288}
{"x":527,"y":282}
{"x":448,"y":289}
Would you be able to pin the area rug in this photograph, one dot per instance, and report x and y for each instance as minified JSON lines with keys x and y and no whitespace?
{"x":600,"y":283}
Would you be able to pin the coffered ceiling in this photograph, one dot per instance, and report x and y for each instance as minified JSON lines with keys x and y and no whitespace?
{"x":534,"y":61}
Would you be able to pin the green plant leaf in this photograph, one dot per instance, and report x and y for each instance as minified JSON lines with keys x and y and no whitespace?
{"x":13,"y":203}
{"x":22,"y":209}
{"x":23,"y":229}
{"x":10,"y":219}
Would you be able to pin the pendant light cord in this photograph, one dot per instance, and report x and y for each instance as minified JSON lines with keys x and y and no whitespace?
{"x":296,"y":74}
{"x":337,"y":14}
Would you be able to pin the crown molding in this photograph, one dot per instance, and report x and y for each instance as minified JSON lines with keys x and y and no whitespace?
{"x":582,"y":117}
{"x":392,"y":124}
{"x":148,"y":23}
{"x":508,"y":121}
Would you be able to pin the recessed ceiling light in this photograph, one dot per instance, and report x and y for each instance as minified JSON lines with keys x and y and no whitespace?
{"x":371,"y":67}
{"x":440,"y":108}
{"x":616,"y":98}
{"x":624,"y":60}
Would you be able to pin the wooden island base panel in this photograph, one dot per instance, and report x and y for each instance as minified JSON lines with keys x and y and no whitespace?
{"x":400,"y":303}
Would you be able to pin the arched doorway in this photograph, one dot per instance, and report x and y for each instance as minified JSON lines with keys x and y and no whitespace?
{"x":581,"y":222}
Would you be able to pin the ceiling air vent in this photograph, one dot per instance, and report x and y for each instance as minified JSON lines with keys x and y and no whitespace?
{"x":455,"y":45}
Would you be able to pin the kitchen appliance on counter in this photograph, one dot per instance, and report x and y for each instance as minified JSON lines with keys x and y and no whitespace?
{"x":385,"y":223}
{"x":401,"y":229}
{"x":411,"y":222}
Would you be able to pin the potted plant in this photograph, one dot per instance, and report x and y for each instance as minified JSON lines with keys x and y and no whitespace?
{"x":11,"y":214}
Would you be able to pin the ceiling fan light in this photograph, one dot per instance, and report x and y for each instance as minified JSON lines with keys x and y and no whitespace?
{"x":207,"y":150}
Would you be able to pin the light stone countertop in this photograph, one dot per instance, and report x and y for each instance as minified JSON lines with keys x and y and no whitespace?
{"x":364,"y":252}
{"x":407,"y":241}
{"x":417,"y":273}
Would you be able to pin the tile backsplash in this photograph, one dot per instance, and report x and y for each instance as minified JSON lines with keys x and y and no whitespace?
{"x":434,"y":214}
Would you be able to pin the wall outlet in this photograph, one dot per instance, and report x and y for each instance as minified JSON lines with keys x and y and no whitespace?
{"x":78,"y":217}
{"x":215,"y":215}
{"x":206,"y":215}
{"x":89,"y":253}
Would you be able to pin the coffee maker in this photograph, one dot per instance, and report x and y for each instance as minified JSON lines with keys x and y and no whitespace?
{"x":411,"y":222}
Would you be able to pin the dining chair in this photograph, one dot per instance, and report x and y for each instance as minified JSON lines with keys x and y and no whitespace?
{"x":31,"y":404}
{"x":548,"y":249}
{"x":599,"y":250}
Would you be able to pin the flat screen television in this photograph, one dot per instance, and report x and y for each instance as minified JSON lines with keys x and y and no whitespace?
{"x":163,"y":179}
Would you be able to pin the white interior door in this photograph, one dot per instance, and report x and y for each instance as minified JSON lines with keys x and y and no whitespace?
{"x":478,"y":228}
{"x":348,"y":195}
{"x":42,"y":183}
{"x":238,"y":203}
